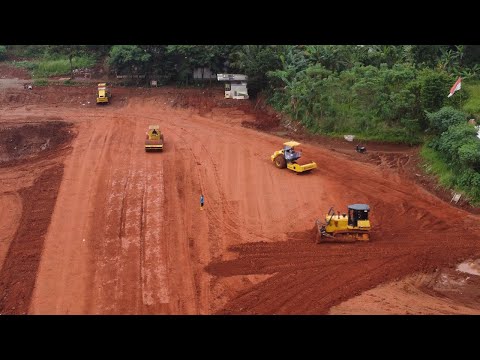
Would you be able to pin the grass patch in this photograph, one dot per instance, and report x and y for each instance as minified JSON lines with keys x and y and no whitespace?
{"x":447,"y":176}
{"x":57,"y":67}
{"x":472,"y":105}
{"x":435,"y":165}
{"x":40,"y":82}
{"x":54,"y":67}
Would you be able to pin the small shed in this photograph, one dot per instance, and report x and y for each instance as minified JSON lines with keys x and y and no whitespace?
{"x":235,"y":85}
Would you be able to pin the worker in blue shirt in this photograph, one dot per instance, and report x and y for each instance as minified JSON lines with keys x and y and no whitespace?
{"x":202,"y":200}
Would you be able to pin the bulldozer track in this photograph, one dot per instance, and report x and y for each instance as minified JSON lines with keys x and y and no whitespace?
{"x":214,"y":212}
{"x":142,"y":240}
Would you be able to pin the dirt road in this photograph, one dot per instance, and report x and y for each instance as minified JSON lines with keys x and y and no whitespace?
{"x":105,"y":228}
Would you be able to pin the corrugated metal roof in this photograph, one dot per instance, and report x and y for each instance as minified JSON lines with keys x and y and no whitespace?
{"x":291,"y":143}
{"x":229,"y":77}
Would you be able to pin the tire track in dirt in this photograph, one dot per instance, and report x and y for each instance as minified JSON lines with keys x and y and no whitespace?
{"x":10,"y":215}
{"x":108,"y":254}
{"x":142,"y":225}
{"x":179,"y":228}
{"x":219,"y":215}
{"x":217,"y":203}
{"x":155,"y":288}
{"x":132,"y":260}
{"x":186,"y":146}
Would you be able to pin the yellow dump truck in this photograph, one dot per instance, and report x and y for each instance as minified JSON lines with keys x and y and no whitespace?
{"x":154,"y":139}
{"x":103,"y":94}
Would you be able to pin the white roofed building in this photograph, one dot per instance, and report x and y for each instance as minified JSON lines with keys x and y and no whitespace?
{"x":235,"y":85}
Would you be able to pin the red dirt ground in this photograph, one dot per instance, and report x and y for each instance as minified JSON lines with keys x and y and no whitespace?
{"x":443,"y":292}
{"x":101,"y":227}
{"x":11,"y":72}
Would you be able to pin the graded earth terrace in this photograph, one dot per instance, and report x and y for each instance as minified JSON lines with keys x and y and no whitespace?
{"x":91,"y":223}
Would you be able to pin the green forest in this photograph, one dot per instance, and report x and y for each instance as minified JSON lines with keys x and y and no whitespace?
{"x":388,"y":93}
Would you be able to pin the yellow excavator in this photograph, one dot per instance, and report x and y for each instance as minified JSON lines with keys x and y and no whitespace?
{"x":287,"y":158}
{"x":346,"y":227}
{"x":154,"y":138}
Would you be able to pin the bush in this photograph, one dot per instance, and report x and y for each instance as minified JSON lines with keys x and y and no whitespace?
{"x":469,"y":153}
{"x":28,"y":51}
{"x":466,"y":181}
{"x":447,"y":116}
{"x":434,"y":89}
{"x":378,"y":103}
{"x":3,"y":52}
{"x":469,"y":181}
{"x":472,"y":105}
{"x":454,"y":138}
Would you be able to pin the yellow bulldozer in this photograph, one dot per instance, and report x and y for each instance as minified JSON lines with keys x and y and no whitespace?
{"x":287,"y":158}
{"x":154,"y":139}
{"x":346,"y":227}
{"x":103,"y":94}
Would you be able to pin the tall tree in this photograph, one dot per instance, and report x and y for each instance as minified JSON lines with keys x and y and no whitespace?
{"x":128,"y":57}
{"x":256,"y":61}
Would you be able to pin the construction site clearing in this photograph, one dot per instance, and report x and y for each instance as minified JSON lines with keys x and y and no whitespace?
{"x":92,"y":224}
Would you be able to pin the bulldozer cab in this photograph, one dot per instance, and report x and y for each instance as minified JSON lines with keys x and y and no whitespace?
{"x":103,"y":93}
{"x":289,"y":151}
{"x":153,"y":132}
{"x":154,"y":138}
{"x":290,"y":145}
{"x":357,"y":212}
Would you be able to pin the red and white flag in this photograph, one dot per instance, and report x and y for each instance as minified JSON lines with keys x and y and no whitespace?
{"x":456,"y":86}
